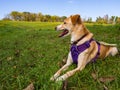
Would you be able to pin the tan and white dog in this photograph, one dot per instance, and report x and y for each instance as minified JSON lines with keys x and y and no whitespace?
{"x":74,"y":26}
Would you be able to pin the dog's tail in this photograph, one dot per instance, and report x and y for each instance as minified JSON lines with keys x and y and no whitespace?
{"x":114,"y":50}
{"x":107,"y":44}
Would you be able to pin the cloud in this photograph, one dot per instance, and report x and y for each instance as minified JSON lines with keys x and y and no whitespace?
{"x":70,"y":1}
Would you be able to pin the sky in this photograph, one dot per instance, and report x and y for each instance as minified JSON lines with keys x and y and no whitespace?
{"x":86,"y":8}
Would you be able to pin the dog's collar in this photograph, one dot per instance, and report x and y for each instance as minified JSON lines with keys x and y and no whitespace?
{"x":75,"y":42}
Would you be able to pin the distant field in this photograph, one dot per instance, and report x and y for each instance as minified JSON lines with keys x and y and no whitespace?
{"x":30,"y":53}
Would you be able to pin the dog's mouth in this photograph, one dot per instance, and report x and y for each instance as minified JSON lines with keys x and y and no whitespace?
{"x":63,"y":33}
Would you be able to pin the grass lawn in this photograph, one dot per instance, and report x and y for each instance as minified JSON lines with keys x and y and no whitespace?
{"x":30,"y":52}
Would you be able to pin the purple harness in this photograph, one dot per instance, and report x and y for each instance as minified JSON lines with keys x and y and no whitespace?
{"x":76,"y":50}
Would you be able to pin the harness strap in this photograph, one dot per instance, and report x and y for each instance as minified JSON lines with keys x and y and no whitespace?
{"x":98,"y":53}
{"x":76,"y":50}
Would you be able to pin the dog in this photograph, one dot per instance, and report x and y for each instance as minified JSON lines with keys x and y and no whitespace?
{"x":84,"y":48}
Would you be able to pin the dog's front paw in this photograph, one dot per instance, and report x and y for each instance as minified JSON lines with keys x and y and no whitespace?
{"x":52,"y":78}
{"x":61,"y":78}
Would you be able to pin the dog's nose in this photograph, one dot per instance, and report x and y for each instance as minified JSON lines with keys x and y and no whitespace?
{"x":55,"y":28}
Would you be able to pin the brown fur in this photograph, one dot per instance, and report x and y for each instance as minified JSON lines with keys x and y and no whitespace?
{"x":76,"y":19}
{"x":103,"y":51}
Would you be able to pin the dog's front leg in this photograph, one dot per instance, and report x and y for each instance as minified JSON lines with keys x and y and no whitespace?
{"x":82,"y":61}
{"x":68,"y":63}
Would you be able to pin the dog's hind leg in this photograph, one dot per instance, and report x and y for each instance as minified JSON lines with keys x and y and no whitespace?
{"x":68,"y":63}
{"x":113,"y":51}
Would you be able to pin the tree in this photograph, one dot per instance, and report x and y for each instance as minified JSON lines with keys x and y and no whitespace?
{"x":118,"y":20}
{"x":47,"y":18}
{"x":26,"y":16}
{"x":15,"y":15}
{"x":89,"y":20}
{"x":112,"y":20}
{"x":63,"y":18}
{"x":32,"y":17}
{"x":106,"y":19}
{"x":55,"y":18}
{"x":39,"y":17}
{"x":99,"y":20}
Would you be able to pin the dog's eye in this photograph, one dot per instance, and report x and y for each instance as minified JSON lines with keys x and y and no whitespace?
{"x":65,"y":23}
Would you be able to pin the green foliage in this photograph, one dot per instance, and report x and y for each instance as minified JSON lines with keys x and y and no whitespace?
{"x":30,"y":52}
{"x":101,"y":20}
{"x":28,"y":16}
{"x":106,"y":20}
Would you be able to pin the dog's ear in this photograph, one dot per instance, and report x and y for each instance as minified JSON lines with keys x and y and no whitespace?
{"x":76,"y":19}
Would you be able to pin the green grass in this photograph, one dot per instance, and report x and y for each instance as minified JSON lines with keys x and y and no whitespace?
{"x":30,"y":52}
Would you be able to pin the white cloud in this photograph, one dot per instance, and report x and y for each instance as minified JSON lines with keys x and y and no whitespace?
{"x":70,"y":1}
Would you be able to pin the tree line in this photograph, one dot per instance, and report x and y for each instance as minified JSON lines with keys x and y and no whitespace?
{"x":28,"y":16}
{"x":104,"y":20}
{"x":108,"y":20}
